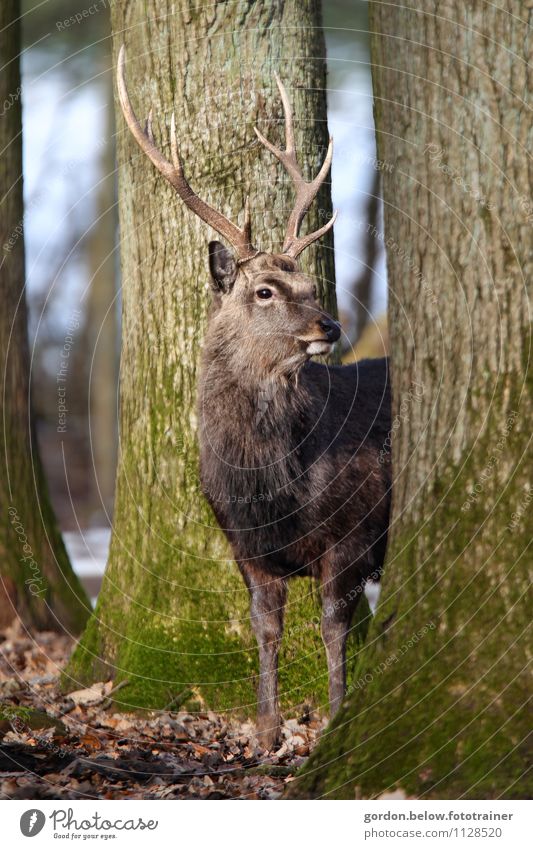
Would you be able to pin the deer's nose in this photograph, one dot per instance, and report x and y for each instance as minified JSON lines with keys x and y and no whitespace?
{"x":330,"y":328}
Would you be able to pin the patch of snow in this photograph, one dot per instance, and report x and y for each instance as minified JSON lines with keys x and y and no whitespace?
{"x":88,"y":550}
{"x":372,"y":591}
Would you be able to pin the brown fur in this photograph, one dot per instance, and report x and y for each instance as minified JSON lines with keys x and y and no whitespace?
{"x":292,"y":455}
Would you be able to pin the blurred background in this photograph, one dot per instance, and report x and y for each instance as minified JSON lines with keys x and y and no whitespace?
{"x":71,"y":231}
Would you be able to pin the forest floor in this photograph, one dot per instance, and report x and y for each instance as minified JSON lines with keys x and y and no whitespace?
{"x":76,"y":746}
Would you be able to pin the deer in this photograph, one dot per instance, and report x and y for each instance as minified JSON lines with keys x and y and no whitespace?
{"x":291,"y":448}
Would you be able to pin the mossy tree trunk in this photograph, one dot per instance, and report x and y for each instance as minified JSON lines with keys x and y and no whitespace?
{"x":172,"y":617}
{"x":439,"y":706}
{"x":37,"y":582}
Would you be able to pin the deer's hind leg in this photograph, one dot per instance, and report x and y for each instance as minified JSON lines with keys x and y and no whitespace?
{"x":267,"y":603}
{"x":341,"y":592}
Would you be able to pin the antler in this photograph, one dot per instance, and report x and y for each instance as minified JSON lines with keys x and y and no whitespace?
{"x":305,"y":192}
{"x":239,"y":238}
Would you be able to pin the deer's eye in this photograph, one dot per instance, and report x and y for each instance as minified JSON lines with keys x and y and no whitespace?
{"x":264,"y":294}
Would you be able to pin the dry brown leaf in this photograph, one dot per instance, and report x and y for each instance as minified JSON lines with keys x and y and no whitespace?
{"x":199,"y":750}
{"x":91,"y":741}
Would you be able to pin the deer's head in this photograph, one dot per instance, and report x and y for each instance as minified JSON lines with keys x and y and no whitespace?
{"x":262,"y":296}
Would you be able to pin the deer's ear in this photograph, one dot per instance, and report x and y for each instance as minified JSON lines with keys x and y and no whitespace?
{"x":222,"y":266}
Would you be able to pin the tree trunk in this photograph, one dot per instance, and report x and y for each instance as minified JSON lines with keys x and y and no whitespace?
{"x":37,"y":582}
{"x":363,"y":285}
{"x":102,"y":324}
{"x":439,"y":705}
{"x":172,"y":617}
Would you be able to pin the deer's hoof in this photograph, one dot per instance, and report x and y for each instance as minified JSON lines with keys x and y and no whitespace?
{"x":268,"y":731}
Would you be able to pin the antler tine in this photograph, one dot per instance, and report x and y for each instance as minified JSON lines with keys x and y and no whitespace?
{"x":305,"y":191}
{"x":287,"y":157}
{"x":239,"y":238}
{"x":247,"y":226}
{"x":290,"y":147}
{"x":296,"y":247}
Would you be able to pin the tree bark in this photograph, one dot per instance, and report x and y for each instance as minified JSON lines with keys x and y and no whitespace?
{"x":172,"y":616}
{"x":438,"y":707}
{"x":37,"y":582}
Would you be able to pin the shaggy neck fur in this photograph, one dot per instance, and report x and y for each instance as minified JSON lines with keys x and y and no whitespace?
{"x":237,"y":388}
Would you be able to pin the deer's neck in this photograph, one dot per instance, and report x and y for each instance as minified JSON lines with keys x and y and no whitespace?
{"x":231,"y":366}
{"x":250,"y":415}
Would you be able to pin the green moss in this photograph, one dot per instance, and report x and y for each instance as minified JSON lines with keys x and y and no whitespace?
{"x":86,"y":664}
{"x":9,"y":712}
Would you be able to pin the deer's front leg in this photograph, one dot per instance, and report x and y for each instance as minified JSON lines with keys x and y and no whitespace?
{"x":267,"y":595}
{"x":340,"y":596}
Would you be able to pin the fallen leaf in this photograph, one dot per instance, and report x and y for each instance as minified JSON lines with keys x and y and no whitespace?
{"x":91,"y":695}
{"x":91,"y":741}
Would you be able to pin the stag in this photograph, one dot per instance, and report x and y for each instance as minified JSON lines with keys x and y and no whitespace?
{"x":291,"y":450}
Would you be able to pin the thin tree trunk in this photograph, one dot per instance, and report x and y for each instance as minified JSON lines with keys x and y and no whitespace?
{"x":102,"y":327}
{"x":37,"y":582}
{"x":363,"y":286}
{"x":439,"y":707}
{"x":172,"y":616}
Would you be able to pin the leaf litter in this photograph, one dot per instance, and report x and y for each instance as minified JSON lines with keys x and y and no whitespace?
{"x":75,"y":746}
